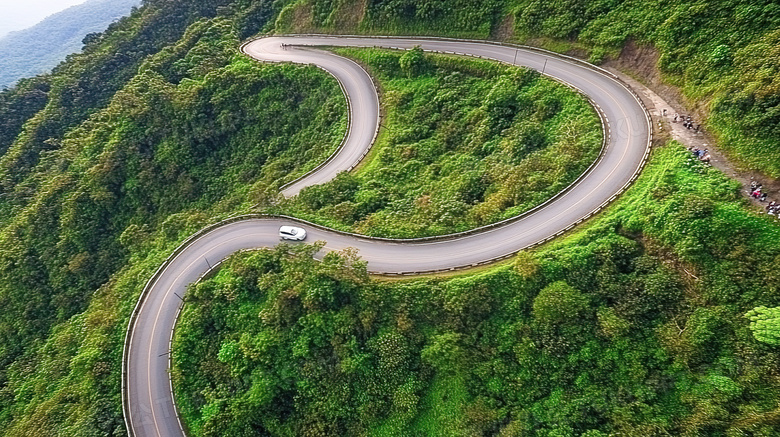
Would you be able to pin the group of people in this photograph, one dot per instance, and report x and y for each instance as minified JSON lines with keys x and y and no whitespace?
{"x":687,"y":122}
{"x":773,"y":209}
{"x":702,"y":155}
{"x":757,"y":191}
{"x":756,"y":188}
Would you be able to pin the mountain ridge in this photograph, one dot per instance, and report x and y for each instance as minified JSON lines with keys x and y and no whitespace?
{"x":39,"y":48}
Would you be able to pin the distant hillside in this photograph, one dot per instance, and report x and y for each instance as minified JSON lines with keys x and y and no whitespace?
{"x":40,"y":48}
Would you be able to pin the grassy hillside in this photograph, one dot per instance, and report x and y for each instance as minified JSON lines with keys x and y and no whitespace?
{"x":525,"y":138}
{"x":634,"y":326}
{"x":40,"y":48}
{"x":159,"y":127}
{"x":181,"y":145}
{"x":722,"y":54}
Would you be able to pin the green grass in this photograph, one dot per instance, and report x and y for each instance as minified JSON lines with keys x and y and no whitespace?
{"x":441,"y":410}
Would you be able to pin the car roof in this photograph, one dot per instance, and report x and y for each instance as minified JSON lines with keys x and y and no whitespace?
{"x":289,"y":229}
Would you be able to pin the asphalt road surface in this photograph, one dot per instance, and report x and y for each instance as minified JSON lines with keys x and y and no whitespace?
{"x":147,"y":399}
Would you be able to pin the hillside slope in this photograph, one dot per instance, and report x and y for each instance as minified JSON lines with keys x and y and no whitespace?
{"x":723,"y":55}
{"x":160,"y":127}
{"x":632,"y":326}
{"x":40,"y":48}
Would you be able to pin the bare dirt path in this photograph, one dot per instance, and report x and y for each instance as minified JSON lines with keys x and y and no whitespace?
{"x":691,"y":138}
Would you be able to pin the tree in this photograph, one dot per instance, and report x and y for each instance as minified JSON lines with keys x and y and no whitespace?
{"x":558,"y":303}
{"x":443,"y":352}
{"x":413,"y":62}
{"x":92,"y":38}
{"x":526,"y":264}
{"x":765,"y":324}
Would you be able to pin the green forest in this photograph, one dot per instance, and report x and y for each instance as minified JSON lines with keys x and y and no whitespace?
{"x":635,"y":325}
{"x":658,"y":317}
{"x":89,"y":217}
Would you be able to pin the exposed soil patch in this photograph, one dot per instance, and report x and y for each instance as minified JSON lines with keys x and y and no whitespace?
{"x":303,"y":19}
{"x":505,"y":30}
{"x":349,"y":16}
{"x":637,"y":66}
{"x":641,"y":62}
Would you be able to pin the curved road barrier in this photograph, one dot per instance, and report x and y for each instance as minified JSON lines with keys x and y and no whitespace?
{"x":148,"y":402}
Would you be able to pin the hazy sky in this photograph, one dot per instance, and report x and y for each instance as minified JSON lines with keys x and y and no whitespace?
{"x":21,"y":14}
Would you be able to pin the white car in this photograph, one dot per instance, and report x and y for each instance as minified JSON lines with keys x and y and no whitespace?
{"x":292,"y":233}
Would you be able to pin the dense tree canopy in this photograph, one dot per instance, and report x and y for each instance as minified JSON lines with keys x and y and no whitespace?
{"x":620,"y":329}
{"x":198,"y":133}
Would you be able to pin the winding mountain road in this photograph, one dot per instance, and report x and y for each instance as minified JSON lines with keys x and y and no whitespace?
{"x":147,"y":400}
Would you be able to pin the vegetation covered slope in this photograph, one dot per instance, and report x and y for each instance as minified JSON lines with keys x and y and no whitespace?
{"x":35,"y":116}
{"x":723,"y":54}
{"x":184,"y":143}
{"x":632,"y":326}
{"x":464,"y":143}
{"x":40,"y":48}
{"x":84,"y":149}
